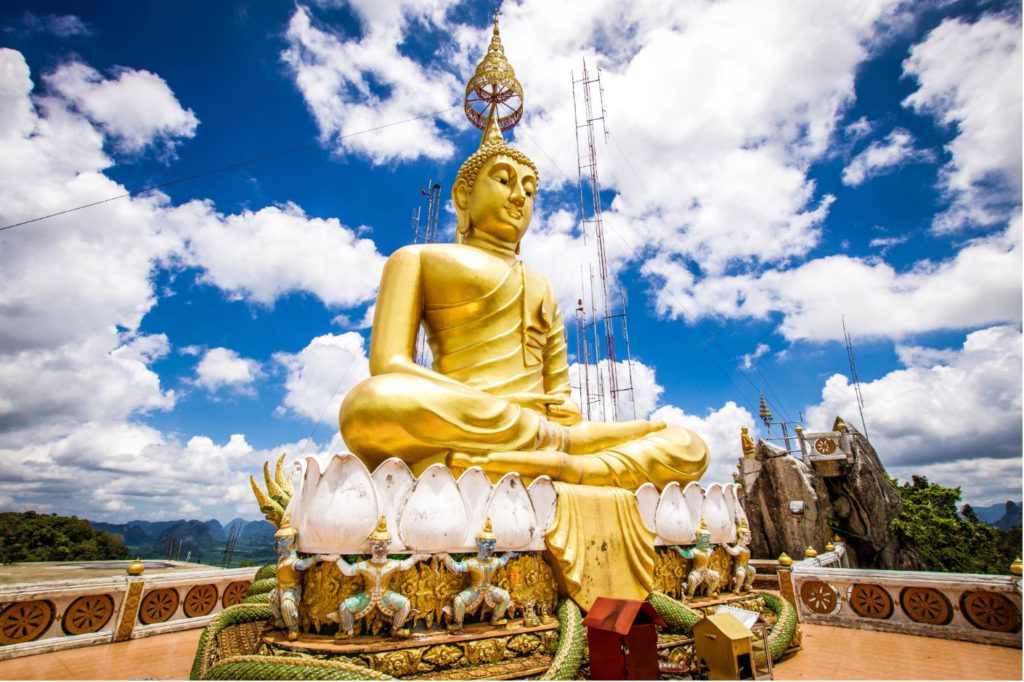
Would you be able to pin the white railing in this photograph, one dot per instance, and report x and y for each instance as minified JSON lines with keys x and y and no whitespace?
{"x":46,"y":616}
{"x":971,"y":607}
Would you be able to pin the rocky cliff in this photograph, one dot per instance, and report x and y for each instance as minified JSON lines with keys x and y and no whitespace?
{"x":859,"y":504}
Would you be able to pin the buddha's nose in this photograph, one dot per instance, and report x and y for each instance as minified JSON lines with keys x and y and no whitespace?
{"x":518,"y":197}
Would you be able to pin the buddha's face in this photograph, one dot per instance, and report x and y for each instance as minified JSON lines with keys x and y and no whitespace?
{"x":500,"y":204}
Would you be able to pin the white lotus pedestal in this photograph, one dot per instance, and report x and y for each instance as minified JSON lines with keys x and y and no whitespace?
{"x":577,"y":542}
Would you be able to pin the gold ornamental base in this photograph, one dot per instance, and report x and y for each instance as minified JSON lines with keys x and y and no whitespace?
{"x":481,"y":651}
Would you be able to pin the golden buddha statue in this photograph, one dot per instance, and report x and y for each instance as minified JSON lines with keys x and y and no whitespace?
{"x":498,"y":394}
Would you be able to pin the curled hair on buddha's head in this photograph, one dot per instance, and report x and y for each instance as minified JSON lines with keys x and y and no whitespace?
{"x":490,"y":148}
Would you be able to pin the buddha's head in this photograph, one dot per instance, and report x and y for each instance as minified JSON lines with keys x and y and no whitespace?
{"x":494,"y":192}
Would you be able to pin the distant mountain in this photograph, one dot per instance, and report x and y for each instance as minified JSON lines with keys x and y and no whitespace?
{"x":257,"y":533}
{"x":1003,"y":516}
{"x":216,"y":530}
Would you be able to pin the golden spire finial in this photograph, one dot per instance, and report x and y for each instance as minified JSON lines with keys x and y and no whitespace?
{"x":494,"y":88}
{"x":381,"y":534}
{"x":765,"y":413}
{"x":488,"y":532}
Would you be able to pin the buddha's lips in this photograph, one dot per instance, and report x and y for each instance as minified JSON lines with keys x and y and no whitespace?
{"x":514,"y":212}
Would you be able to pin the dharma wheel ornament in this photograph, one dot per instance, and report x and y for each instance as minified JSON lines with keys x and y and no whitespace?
{"x":494,"y":88}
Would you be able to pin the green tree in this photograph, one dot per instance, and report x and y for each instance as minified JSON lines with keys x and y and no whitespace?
{"x":949,"y":540}
{"x":30,"y":536}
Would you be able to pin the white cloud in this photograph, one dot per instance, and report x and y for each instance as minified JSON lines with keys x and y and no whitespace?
{"x":264,"y":255}
{"x":347,"y":323}
{"x":640,"y":402}
{"x":969,"y":77}
{"x":224,"y":368}
{"x":322,"y":373}
{"x":750,"y":358}
{"x":952,"y":413}
{"x":136,"y":107}
{"x":720,"y":429}
{"x":75,"y":371}
{"x":723,"y":154}
{"x":358,"y":84}
{"x":980,"y":285}
{"x":895,"y":150}
{"x":129,"y":470}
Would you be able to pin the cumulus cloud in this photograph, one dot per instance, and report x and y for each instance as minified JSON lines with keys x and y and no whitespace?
{"x":75,"y":371}
{"x":136,"y":108}
{"x":895,"y":150}
{"x":225,"y":368}
{"x":263,"y":255}
{"x":119,"y":470}
{"x":595,"y":381}
{"x":352,"y":85}
{"x":980,"y":285}
{"x":321,"y":374}
{"x":969,"y":77}
{"x":952,"y":414}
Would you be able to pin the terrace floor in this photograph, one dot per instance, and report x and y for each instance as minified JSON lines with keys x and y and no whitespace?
{"x":828,"y":653}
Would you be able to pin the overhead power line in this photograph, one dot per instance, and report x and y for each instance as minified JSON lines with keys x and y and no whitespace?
{"x":221,"y":169}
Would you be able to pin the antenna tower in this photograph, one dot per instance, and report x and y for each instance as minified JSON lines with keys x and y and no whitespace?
{"x":428,"y":235}
{"x":591,"y":219}
{"x":229,"y":547}
{"x":855,"y":378}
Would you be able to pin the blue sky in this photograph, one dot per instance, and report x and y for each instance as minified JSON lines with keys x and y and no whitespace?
{"x":771,"y":168}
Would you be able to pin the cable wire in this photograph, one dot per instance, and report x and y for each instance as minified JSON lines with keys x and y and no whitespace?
{"x":221,"y":169}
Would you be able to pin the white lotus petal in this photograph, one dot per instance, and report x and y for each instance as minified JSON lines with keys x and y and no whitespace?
{"x":342,"y":511}
{"x":434,"y":517}
{"x":694,"y":496}
{"x":393,"y":481}
{"x":511,"y":513}
{"x":476,"y":489}
{"x":739,"y":513}
{"x":716,"y":514}
{"x":296,"y":475}
{"x":544,"y":499}
{"x":310,"y":479}
{"x":647,"y":499}
{"x":674,"y":524}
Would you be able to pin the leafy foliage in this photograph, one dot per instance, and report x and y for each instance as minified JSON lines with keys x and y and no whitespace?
{"x":30,"y":536}
{"x":949,"y":541}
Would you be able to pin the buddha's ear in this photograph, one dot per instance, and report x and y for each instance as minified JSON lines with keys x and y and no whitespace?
{"x":460,"y":197}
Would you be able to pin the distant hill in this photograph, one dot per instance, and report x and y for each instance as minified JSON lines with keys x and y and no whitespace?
{"x":1004,"y":515}
{"x":200,"y":541}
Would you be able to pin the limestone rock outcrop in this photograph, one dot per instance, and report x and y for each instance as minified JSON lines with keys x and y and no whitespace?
{"x":791,"y":506}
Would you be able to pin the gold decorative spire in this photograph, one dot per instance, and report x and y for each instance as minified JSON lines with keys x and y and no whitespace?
{"x":488,"y":532}
{"x":494,"y":88}
{"x":381,"y":533}
{"x":764,"y":412}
